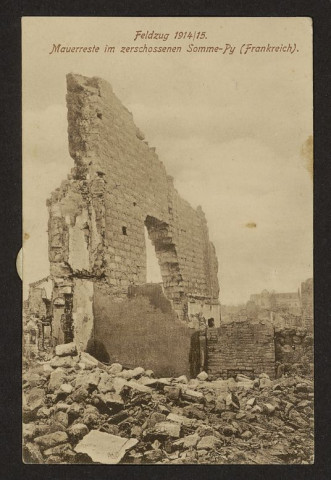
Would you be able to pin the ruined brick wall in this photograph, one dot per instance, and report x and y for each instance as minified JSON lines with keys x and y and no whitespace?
{"x":97,"y":215}
{"x":293,"y":345}
{"x":241,"y":347}
{"x":37,"y":305}
{"x":307,"y":303}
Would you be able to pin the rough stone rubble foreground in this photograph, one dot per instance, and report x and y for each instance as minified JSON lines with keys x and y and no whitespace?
{"x":78,"y":410}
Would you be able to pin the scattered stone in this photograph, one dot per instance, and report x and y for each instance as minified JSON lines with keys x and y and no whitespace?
{"x":51,"y":440}
{"x":66,"y":349}
{"x":149,"y":382}
{"x":105,"y":448}
{"x":256,"y":409}
{"x":34,"y":379}
{"x":88,"y":381}
{"x":172,"y":392}
{"x":268,"y":408}
{"x":89,"y":361}
{"x":127,"y":374}
{"x":47,"y":369}
{"x":80,"y":395}
{"x":193,"y":383}
{"x":190,"y":440}
{"x":139,"y":387}
{"x":63,"y":362}
{"x":193,"y":411}
{"x":172,"y":421}
{"x":155,"y":418}
{"x":202,"y":376}
{"x":220,"y":406}
{"x":251,"y":402}
{"x":74,"y":411}
{"x":232,"y":401}
{"x":61,"y":417}
{"x":59,"y":450}
{"x":240,"y":415}
{"x":303,"y":404}
{"x":229,"y":430}
{"x":163,"y":409}
{"x":192,"y":396}
{"x":296,"y":419}
{"x":32,"y":454}
{"x":301,"y":387}
{"x":91,"y":417}
{"x":105,"y":383}
{"x":167,"y":429}
{"x":265,"y":382}
{"x":29,"y":431}
{"x":42,"y":429}
{"x":242,"y":378}
{"x":137,"y":372}
{"x":136,"y":431}
{"x":112,"y":400}
{"x":205,"y":430}
{"x":209,"y":442}
{"x":119,"y":384}
{"x":66,"y":388}
{"x":173,"y":417}
{"x":153,"y":455}
{"x":119,"y":417}
{"x":115,"y":368}
{"x":77,"y":431}
{"x":54,"y":459}
{"x":34,"y":399}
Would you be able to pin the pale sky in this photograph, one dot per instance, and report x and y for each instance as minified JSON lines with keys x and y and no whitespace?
{"x":228,"y":128}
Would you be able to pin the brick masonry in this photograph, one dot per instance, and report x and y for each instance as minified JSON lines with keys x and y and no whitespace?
{"x":241,"y":347}
{"x":97,"y":217}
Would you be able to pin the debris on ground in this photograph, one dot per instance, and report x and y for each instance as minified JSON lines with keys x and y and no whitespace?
{"x":78,"y":410}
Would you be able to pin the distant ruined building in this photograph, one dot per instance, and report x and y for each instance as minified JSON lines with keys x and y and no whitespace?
{"x":285,"y":309}
{"x":97,"y":252}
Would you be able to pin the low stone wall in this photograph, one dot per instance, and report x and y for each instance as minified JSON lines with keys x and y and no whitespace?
{"x":241,"y":347}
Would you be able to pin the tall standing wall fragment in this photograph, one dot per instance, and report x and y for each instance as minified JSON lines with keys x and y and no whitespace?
{"x":97,"y":219}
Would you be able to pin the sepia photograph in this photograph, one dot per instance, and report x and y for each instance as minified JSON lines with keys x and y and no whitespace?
{"x":168,"y":313}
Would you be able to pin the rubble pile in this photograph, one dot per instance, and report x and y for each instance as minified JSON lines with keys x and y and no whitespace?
{"x":78,"y":410}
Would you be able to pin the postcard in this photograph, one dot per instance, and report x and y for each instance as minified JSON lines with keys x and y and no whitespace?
{"x":167,"y":240}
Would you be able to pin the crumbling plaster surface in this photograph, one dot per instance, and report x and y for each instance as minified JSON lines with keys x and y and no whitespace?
{"x":116,"y":188}
{"x":83,"y":316}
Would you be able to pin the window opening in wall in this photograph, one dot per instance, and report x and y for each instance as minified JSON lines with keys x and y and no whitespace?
{"x":153,"y":270}
{"x":124,"y":231}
